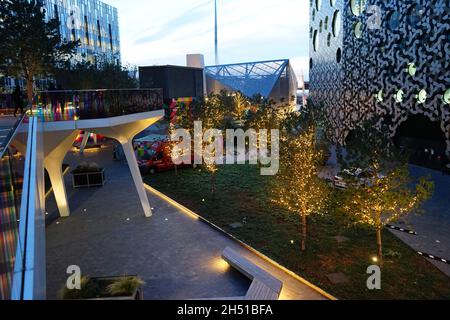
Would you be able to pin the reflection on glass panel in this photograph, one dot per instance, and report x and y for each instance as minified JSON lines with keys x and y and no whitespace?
{"x":94,"y":104}
{"x":11,"y":180}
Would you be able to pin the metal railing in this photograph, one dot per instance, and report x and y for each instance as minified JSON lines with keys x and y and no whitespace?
{"x":7,"y":139}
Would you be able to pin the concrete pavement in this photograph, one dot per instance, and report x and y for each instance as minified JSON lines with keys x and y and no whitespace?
{"x":178,"y":256}
{"x":433,"y":224}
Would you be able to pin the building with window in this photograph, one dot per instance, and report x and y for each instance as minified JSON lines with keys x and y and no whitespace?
{"x":385,"y":58}
{"x":176,"y":81}
{"x":93,"y":22}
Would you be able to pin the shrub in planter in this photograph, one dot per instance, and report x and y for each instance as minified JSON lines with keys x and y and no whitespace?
{"x":88,"y":175}
{"x":85,"y":167}
{"x":113,"y":288}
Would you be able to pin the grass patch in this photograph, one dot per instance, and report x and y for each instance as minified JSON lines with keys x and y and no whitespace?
{"x":241,"y":195}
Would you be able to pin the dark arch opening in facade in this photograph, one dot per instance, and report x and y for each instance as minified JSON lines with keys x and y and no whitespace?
{"x":424,"y":140}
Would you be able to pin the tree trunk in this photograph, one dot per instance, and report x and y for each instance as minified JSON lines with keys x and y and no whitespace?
{"x":379,"y":246}
{"x":213,"y":184}
{"x":304,"y":229}
{"x":30,"y":83}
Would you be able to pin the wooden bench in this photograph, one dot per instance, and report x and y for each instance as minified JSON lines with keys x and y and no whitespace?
{"x":264,"y":286}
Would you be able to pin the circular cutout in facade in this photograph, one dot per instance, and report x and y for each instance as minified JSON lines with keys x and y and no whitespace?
{"x":336,"y":24}
{"x":379,"y":96}
{"x":393,"y":20}
{"x":358,"y":29}
{"x":358,"y":6}
{"x":446,"y":97}
{"x":412,"y":69}
{"x":316,"y":40}
{"x":422,"y":96}
{"x":399,"y":96}
{"x":338,"y":55}
{"x":413,"y":16}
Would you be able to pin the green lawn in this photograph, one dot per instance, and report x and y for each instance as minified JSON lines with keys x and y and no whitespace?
{"x":241,"y":194}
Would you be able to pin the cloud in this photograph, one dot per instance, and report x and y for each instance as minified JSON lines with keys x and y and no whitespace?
{"x":163,"y":32}
{"x":175,"y":24}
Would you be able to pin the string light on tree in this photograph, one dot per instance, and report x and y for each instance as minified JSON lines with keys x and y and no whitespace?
{"x":297,"y":186}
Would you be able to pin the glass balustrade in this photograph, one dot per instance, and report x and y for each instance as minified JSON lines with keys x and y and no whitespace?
{"x":52,"y":106}
{"x":12,"y":164}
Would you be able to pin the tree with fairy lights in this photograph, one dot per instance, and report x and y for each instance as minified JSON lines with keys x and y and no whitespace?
{"x":212,"y":112}
{"x":241,"y":105}
{"x":216,"y":107}
{"x":380,"y":187}
{"x":31,"y":42}
{"x":182,"y":118}
{"x":297,"y":186}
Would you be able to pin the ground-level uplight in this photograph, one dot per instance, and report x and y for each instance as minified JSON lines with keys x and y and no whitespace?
{"x":220,"y":265}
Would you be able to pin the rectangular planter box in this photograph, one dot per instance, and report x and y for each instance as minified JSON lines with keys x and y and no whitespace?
{"x":138,"y":294}
{"x":88,"y":179}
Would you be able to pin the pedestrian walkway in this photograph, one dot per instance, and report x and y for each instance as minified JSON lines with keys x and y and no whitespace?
{"x":433,"y":223}
{"x":177,"y":255}
{"x":6,"y":124}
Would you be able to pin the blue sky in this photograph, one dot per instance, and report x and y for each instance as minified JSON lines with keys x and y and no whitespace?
{"x":156,"y":32}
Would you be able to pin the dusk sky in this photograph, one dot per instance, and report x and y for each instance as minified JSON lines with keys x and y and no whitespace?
{"x":155,"y":32}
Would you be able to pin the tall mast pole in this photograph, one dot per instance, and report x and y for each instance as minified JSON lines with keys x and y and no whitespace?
{"x":216,"y":46}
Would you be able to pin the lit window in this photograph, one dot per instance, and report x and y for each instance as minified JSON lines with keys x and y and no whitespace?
{"x":446,"y":97}
{"x":412,"y":69}
{"x":358,"y":6}
{"x":379,"y":96}
{"x":358,"y":29}
{"x":336,"y":24}
{"x":422,"y":96}
{"x":399,"y":96}
{"x":316,"y":40}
